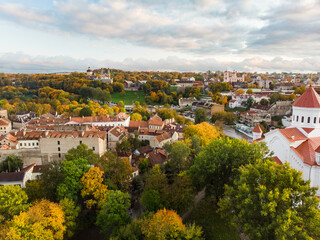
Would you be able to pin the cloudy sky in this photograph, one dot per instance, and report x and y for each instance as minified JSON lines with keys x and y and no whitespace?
{"x":179,"y":35}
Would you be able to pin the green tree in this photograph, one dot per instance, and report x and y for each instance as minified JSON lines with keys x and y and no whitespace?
{"x":82,"y":151}
{"x":51,"y":177}
{"x":179,"y":154}
{"x":12,"y":163}
{"x":13,"y":200}
{"x":143,"y":165}
{"x":200,"y":115}
{"x":114,"y":212}
{"x":86,"y":111}
{"x":151,"y":200}
{"x":195,"y":147}
{"x":271,"y":201}
{"x":35,"y":190}
{"x":180,"y":194}
{"x":71,"y":212}
{"x":72,"y":172}
{"x":217,"y":163}
{"x":249,"y":103}
{"x":117,"y":171}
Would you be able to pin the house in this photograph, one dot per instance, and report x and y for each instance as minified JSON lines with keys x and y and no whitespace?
{"x":5,"y":126}
{"x":299,"y":143}
{"x":17,"y":178}
{"x":252,"y":118}
{"x":185,"y":102}
{"x":155,"y":122}
{"x":159,"y":141}
{"x":115,"y":135}
{"x":158,"y":156}
{"x":234,"y":103}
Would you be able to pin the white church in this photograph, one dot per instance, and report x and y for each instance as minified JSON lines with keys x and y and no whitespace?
{"x":299,"y":143}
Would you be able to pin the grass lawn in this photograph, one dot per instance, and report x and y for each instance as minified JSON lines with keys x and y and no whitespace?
{"x":213,"y":226}
{"x":129,"y":97}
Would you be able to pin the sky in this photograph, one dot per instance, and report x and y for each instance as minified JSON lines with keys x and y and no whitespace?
{"x":164,"y":35}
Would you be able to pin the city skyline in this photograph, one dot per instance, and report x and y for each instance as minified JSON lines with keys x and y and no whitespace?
{"x":199,"y":35}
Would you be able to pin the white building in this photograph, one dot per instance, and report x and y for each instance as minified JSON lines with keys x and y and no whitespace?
{"x":232,"y":77}
{"x":299,"y":143}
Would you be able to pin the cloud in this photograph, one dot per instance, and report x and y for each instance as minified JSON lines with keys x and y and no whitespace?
{"x":247,"y":29}
{"x":23,"y":63}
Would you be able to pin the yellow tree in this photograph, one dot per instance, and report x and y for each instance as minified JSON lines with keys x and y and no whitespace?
{"x":224,"y":100}
{"x":164,"y":224}
{"x":93,"y":188}
{"x":44,"y":220}
{"x":205,"y":131}
{"x":239,"y":91}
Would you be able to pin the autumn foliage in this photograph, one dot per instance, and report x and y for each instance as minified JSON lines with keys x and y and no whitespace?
{"x":164,"y":224}
{"x":93,"y":188}
{"x":204,"y":131}
{"x":44,"y":220}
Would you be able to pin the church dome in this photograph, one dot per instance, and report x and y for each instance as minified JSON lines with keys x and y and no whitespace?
{"x":309,"y":99}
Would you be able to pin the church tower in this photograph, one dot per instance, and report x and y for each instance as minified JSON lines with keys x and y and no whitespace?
{"x":306,"y":111}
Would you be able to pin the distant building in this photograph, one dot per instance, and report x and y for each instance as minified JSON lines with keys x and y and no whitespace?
{"x":105,"y":77}
{"x":232,"y":77}
{"x":89,"y":72}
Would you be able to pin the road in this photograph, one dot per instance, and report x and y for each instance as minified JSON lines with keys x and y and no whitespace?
{"x":230,"y":132}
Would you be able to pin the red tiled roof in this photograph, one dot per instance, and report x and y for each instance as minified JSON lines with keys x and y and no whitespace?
{"x":309,"y":99}
{"x":308,"y":130}
{"x":257,"y":129}
{"x":277,"y":160}
{"x":118,"y":131}
{"x":292,"y":134}
{"x":306,"y":150}
{"x":163,"y":137}
{"x":4,"y":122}
{"x":137,"y":124}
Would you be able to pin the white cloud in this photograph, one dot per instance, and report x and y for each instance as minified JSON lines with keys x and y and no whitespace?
{"x":249,"y":30}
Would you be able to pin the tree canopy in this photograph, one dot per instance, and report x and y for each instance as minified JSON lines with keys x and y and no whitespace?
{"x":114,"y":212}
{"x":216,"y":165}
{"x":271,"y":201}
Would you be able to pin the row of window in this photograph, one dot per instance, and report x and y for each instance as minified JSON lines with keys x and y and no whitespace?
{"x":29,"y":144}
{"x":58,"y":142}
{"x":296,"y":118}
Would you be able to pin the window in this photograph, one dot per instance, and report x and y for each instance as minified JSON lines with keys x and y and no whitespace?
{"x":29,"y":144}
{"x":32,"y":144}
{"x":80,"y":142}
{"x":25,"y":144}
{"x":93,"y":148}
{"x":37,"y":144}
{"x":20,"y":144}
{"x":58,"y":142}
{"x":297,"y":118}
{"x":59,"y":155}
{"x":302,"y":119}
{"x":315,"y":120}
{"x":308,"y":119}
{"x":59,"y":149}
